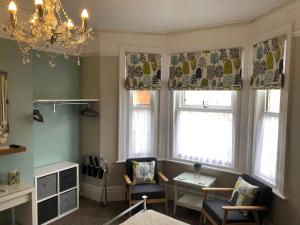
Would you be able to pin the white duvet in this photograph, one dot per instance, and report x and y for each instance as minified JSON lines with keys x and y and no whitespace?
{"x":151,"y":217}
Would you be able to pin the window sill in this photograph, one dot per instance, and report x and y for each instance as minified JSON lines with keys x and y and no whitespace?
{"x":191,"y":164}
{"x":274,"y":189}
{"x":204,"y":166}
{"x":278,"y":194}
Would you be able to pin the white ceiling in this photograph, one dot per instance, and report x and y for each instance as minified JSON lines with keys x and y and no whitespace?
{"x":162,"y":16}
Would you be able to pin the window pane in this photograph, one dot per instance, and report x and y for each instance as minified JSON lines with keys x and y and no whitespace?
{"x":140,"y":134}
{"x":209,"y":98}
{"x":265,"y":160}
{"x":205,"y":137}
{"x":273,"y":101}
{"x":142,"y":124}
{"x":141,"y":98}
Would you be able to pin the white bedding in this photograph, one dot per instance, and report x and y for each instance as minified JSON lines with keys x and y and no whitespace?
{"x":151,"y":217}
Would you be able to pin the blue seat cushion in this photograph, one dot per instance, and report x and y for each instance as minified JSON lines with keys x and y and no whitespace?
{"x":153,"y":191}
{"x":214,"y":209}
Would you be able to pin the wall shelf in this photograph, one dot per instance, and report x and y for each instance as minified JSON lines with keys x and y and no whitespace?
{"x":60,"y":102}
{"x":10,"y":150}
{"x":38,"y":102}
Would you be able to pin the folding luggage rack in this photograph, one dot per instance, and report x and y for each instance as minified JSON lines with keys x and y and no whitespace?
{"x":95,"y":166}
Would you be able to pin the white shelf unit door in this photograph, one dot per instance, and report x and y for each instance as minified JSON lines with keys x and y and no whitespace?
{"x":57,"y":191}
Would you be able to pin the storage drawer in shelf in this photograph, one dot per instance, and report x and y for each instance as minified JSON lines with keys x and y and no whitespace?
{"x":68,"y":201}
{"x":47,"y":210}
{"x":46,"y":186}
{"x":67,"y":179}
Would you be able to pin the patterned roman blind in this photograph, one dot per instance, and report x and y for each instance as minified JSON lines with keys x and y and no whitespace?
{"x":206,"y":70}
{"x":268,"y":64}
{"x":143,"y":71}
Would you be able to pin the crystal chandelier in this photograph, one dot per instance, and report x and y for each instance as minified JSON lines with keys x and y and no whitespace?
{"x":49,"y":28}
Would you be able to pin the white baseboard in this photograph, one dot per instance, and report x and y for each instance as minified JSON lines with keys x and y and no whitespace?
{"x":117,"y":193}
{"x":93,"y":192}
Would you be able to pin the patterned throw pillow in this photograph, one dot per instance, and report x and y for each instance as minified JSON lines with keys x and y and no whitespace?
{"x":143,"y":172}
{"x":243,"y":194}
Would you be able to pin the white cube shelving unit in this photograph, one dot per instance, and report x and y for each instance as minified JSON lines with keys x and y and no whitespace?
{"x":57,"y":191}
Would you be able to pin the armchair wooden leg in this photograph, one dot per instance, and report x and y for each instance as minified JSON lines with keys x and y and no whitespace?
{"x":166,"y":205}
{"x":201,"y":217}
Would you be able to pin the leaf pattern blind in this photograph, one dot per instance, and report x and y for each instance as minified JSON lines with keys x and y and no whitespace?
{"x":206,"y":70}
{"x":143,"y":71}
{"x":268,"y":64}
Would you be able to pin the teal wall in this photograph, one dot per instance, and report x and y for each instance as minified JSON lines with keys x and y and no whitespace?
{"x":20,"y":93}
{"x":58,"y":138}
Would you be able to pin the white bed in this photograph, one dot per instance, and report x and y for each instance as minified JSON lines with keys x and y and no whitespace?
{"x":151,"y":217}
{"x":145,"y":217}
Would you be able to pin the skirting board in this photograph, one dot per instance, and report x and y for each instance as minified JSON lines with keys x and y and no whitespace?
{"x":117,"y":193}
{"x":114,"y":193}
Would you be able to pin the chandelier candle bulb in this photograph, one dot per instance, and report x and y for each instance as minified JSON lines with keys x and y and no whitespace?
{"x":39,"y":8}
{"x":70,"y":25}
{"x":84,"y":16}
{"x":12,"y":9}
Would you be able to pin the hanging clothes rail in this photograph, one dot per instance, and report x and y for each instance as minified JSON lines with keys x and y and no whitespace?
{"x":60,"y":102}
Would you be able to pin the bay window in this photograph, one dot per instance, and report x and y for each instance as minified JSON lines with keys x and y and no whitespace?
{"x":204,"y":127}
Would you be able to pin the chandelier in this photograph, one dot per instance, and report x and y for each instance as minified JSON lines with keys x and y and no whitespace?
{"x":49,"y":28}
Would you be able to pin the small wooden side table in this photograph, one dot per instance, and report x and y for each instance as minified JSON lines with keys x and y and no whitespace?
{"x":191,"y":200}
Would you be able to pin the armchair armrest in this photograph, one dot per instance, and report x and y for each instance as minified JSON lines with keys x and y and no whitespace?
{"x":163,"y":177}
{"x":218,"y":189}
{"x":127,"y":179}
{"x":254,"y":209}
{"x":247,"y":208}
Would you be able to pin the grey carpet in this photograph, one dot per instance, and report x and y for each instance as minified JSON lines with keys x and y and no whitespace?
{"x":92,"y":213}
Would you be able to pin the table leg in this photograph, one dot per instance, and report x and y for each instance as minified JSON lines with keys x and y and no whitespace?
{"x":175,"y":197}
{"x":26,"y":213}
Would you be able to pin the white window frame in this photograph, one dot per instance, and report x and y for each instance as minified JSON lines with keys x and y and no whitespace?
{"x":124,"y":102}
{"x":279,"y":189}
{"x":261,"y":112}
{"x":241,"y":162}
{"x":235,"y":110}
{"x":153,"y":107}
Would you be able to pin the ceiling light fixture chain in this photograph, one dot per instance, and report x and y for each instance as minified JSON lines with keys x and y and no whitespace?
{"x":46,"y":30}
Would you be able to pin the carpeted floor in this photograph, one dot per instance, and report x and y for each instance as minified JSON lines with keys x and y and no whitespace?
{"x":92,"y":213}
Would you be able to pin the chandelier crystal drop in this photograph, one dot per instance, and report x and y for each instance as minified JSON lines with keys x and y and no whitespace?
{"x":48,"y":29}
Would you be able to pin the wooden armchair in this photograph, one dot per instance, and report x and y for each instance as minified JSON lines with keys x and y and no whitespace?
{"x":221,"y":212}
{"x":156,"y":193}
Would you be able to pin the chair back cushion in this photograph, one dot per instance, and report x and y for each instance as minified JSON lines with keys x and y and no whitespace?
{"x":264,"y":194}
{"x":129,"y":166}
{"x":243,"y":194}
{"x":143,"y":172}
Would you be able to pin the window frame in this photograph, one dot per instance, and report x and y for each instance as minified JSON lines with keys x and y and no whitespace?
{"x":153,"y":108}
{"x":280,"y":188}
{"x":124,"y":99}
{"x":261,"y":111}
{"x":236,"y":113}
